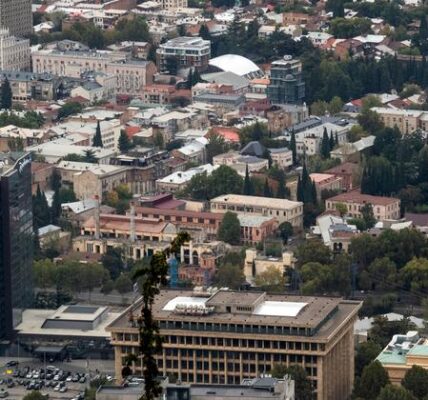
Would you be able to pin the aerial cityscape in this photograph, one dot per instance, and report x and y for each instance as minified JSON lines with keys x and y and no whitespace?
{"x":214,"y":199}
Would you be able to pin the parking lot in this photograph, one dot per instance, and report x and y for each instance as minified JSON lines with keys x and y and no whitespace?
{"x":62,"y":381}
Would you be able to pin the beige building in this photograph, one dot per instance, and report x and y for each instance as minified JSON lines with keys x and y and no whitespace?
{"x":383,"y":207}
{"x":407,"y":121}
{"x":401,"y":353}
{"x":89,"y":180}
{"x":173,"y":4}
{"x":255,"y":263}
{"x":282,"y":157}
{"x":224,"y":337}
{"x":16,"y":15}
{"x":281,"y":209}
{"x":326,"y":182}
{"x":14,"y":52}
{"x":131,"y":76}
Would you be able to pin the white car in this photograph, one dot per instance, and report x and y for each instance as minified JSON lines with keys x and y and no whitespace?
{"x":63,"y":389}
{"x":57,"y":388}
{"x":69,"y":378}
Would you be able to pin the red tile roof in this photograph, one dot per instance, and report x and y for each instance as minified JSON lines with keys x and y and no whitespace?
{"x":356,"y":197}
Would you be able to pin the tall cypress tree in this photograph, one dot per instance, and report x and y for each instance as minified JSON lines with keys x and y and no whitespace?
{"x":299,"y":190}
{"x":325,"y":144}
{"x":314,"y":194}
{"x":293,"y":147}
{"x":248,"y":184}
{"x":97,"y":141}
{"x":266,"y":190}
{"x":331,"y":141}
{"x":6,"y":95}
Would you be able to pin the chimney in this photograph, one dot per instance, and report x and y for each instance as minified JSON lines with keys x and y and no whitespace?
{"x":132,"y":222}
{"x":97,"y":218}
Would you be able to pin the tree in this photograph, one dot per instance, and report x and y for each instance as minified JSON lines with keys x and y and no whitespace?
{"x":368,"y":215}
{"x":113,"y":260}
{"x":335,"y":106}
{"x":6,"y":95}
{"x":92,"y":276}
{"x":366,"y":352}
{"x":415,"y":275}
{"x":216,"y":145}
{"x":248,"y":184}
{"x":271,"y":280}
{"x":34,"y":395}
{"x":124,"y":142}
{"x":123,"y":284}
{"x":89,"y":156}
{"x":373,"y":379}
{"x":41,"y":211}
{"x":158,"y":140}
{"x":342,"y":209}
{"x":266,"y":189}
{"x":97,"y":140}
{"x":303,"y":387}
{"x":151,"y":277}
{"x":392,"y":392}
{"x":68,"y":109}
{"x":285,"y":230}
{"x":313,"y":251}
{"x":229,"y":230}
{"x":416,"y":381}
{"x":229,"y":275}
{"x":204,"y":32}
{"x":325,"y":145}
{"x":423,"y":164}
{"x":293,"y":147}
{"x":336,"y":7}
{"x":370,"y":121}
{"x":382,"y":273}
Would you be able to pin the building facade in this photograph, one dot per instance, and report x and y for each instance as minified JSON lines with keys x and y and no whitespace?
{"x":383,"y":207}
{"x":281,"y":209}
{"x":225,"y":337}
{"x":14,"y":52}
{"x":16,"y":15}
{"x":183,"y":52}
{"x":286,"y":83}
{"x":16,"y":239}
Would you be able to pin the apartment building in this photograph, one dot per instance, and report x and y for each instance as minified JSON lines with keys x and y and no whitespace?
{"x":226,"y":336}
{"x":31,"y":86}
{"x":173,"y":4}
{"x":185,"y":51}
{"x":407,"y":121}
{"x":131,"y":75}
{"x":16,"y":16}
{"x":14,"y":52}
{"x":89,"y":180}
{"x":281,"y":209}
{"x":383,"y":207}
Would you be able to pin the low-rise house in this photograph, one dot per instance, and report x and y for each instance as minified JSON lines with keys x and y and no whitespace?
{"x":383,"y":207}
{"x":348,"y":172}
{"x":240,"y":162}
{"x":281,"y":157}
{"x":255,"y":228}
{"x":326,"y":183}
{"x":179,"y":180}
{"x":193,"y":151}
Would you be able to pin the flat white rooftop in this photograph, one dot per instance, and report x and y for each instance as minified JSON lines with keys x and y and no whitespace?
{"x":184,"y":301}
{"x":279,"y":308}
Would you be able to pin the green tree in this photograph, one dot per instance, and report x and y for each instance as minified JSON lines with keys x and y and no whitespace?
{"x":285,"y":230}
{"x":266,"y":189}
{"x":415,"y":275}
{"x":6,"y":95}
{"x":216,"y":145}
{"x":416,"y":381}
{"x":124,"y":142}
{"x":68,"y":109}
{"x":335,"y":106}
{"x":89,"y":156}
{"x":373,"y":379}
{"x":303,"y":387}
{"x":368,"y":215}
{"x":392,"y":392}
{"x":293,"y":147}
{"x":158,"y":140}
{"x":97,"y":140}
{"x":366,"y":352}
{"x":319,"y":108}
{"x":204,"y":33}
{"x":342,"y":209}
{"x":34,"y":395}
{"x":151,"y":277}
{"x":383,"y":273}
{"x":325,"y":145}
{"x":248,"y":184}
{"x":41,"y":211}
{"x":271,"y":280}
{"x":229,"y":275}
{"x":370,"y":121}
{"x":123,"y":284}
{"x":313,"y":251}
{"x":229,"y":230}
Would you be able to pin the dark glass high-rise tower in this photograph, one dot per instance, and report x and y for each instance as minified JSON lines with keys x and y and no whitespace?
{"x":16,"y":240}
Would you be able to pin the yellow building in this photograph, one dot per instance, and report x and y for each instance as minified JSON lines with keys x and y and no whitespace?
{"x":225,"y":336}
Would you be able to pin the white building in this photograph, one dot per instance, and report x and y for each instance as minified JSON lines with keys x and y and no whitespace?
{"x":14,"y":52}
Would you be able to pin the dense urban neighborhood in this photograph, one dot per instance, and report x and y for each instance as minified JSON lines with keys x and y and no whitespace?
{"x":214,"y":199}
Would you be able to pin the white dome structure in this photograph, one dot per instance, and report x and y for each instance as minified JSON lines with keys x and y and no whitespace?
{"x":237,"y":64}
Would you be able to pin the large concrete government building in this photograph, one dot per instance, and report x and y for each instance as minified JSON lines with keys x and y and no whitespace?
{"x":224,"y":337}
